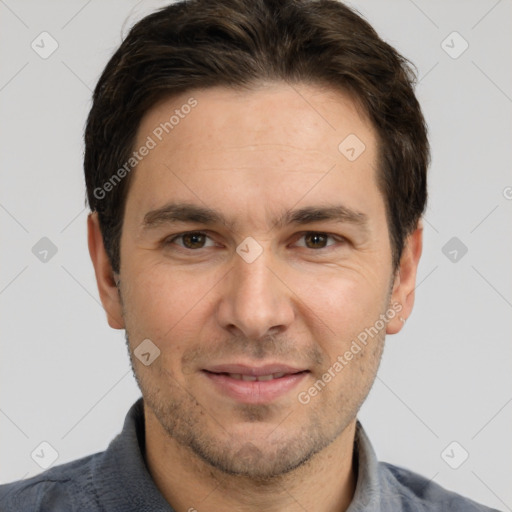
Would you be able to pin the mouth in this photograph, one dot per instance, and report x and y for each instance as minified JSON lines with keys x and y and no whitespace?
{"x":254,"y":385}
{"x":254,"y":378}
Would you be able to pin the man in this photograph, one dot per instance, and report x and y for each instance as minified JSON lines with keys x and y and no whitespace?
{"x":256,"y":171}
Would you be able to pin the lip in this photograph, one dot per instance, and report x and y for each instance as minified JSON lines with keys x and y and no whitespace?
{"x":254,"y":392}
{"x":255,"y":371}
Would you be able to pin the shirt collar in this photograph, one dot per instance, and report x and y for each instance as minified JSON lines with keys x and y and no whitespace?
{"x":368,"y":485}
{"x":122,"y":476}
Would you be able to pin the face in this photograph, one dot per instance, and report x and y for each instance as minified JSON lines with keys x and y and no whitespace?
{"x":254,"y":255}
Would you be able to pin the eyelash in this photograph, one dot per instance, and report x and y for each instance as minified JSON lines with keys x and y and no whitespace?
{"x":337,"y":238}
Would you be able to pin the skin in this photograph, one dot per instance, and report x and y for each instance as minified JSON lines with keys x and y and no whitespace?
{"x":251,"y":155}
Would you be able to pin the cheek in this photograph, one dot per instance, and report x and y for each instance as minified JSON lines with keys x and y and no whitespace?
{"x":164,"y":301}
{"x":170,"y":308}
{"x":340,"y":307}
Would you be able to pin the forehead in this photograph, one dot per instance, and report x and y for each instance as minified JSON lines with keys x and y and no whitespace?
{"x":273,"y":113}
{"x":270,"y":145}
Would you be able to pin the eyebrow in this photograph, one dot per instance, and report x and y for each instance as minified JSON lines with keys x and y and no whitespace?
{"x":172,"y":213}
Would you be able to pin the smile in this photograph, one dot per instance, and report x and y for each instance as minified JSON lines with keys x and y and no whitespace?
{"x":253,"y":385}
{"x":252,"y":378}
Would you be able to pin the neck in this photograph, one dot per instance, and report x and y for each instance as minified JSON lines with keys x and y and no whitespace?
{"x":325,"y":483}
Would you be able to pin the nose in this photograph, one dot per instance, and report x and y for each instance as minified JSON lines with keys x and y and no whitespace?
{"x":255,"y":301}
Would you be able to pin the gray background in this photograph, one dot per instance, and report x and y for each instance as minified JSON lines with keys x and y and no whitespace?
{"x":65,"y":376}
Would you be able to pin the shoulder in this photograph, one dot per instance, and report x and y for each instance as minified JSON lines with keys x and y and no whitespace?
{"x":67,"y":487}
{"x":418,"y":493}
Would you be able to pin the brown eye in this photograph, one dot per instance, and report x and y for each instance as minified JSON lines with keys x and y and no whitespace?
{"x":316,"y":240}
{"x":192,"y":240}
{"x":320,"y":242}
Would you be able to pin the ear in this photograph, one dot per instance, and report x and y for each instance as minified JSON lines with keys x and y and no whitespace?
{"x":405,"y":279}
{"x":107,"y":288}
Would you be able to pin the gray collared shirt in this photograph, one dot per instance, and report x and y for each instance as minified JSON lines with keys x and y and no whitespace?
{"x":117,"y":480}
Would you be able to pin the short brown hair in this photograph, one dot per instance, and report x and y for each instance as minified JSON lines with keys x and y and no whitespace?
{"x":240,"y":43}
